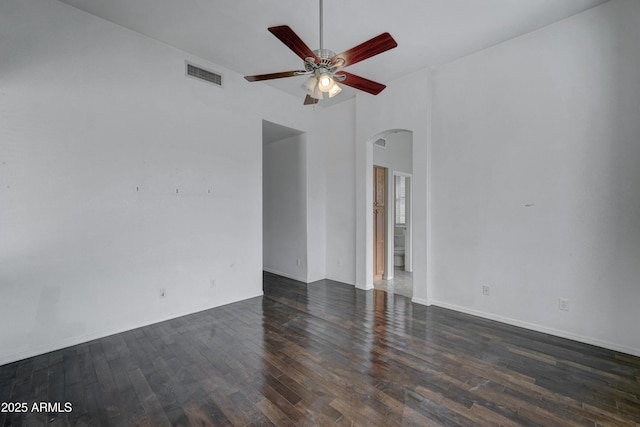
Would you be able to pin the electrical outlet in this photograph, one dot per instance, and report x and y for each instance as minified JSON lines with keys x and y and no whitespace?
{"x":163,"y":292}
{"x":486,"y":290}
{"x":563,"y":304}
{"x":212,"y":284}
{"x":298,"y":262}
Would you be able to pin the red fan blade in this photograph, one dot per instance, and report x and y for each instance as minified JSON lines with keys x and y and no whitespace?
{"x":271,"y":76}
{"x":370,"y":48}
{"x":309,"y":100}
{"x":295,"y":43}
{"x":361,"y":83}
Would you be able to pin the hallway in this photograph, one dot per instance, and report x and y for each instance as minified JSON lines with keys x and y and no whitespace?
{"x":401,"y":284}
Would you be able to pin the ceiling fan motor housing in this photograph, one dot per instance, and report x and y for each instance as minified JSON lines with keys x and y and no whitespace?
{"x":325,"y":56}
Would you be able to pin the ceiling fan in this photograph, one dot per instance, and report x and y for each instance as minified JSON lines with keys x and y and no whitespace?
{"x":324,"y":67}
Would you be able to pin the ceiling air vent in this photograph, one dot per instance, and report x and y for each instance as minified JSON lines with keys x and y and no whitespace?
{"x":200,"y":73}
{"x":381,"y":142}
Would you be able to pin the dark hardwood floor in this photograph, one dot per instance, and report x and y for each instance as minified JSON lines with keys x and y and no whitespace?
{"x":326,"y":354}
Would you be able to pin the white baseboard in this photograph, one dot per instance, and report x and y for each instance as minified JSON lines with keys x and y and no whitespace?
{"x":287,"y":275}
{"x":94,"y":335}
{"x":421,"y":301}
{"x":339,"y":280}
{"x":540,"y":328}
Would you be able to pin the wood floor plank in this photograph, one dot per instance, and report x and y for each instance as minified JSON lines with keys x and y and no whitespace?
{"x":152,"y":407}
{"x":274,"y":414}
{"x":251,"y":411}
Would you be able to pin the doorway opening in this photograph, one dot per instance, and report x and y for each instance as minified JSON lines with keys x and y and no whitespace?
{"x":392,"y":235}
{"x":284,"y":215}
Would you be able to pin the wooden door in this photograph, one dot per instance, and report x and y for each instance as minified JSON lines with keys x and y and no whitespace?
{"x":379,"y":190}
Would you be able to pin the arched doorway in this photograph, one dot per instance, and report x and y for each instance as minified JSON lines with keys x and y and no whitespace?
{"x":390,"y":153}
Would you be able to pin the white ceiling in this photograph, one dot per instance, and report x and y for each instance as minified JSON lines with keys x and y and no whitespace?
{"x":233,"y":33}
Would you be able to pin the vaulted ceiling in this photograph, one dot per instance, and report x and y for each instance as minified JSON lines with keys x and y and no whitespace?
{"x":233,"y":33}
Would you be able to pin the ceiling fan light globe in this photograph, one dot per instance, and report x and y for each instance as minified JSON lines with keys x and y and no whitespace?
{"x":325,"y":82}
{"x":310,"y":85}
{"x":317,"y":93}
{"x":335,"y":89}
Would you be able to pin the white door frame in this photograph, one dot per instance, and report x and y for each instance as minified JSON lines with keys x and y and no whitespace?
{"x":408,"y":242}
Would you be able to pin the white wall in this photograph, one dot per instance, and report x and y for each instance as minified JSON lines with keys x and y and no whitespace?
{"x":536,"y":177}
{"x":98,"y":128}
{"x":397,"y":156}
{"x":285,"y":208}
{"x":340,"y":206}
{"x":316,"y":198}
